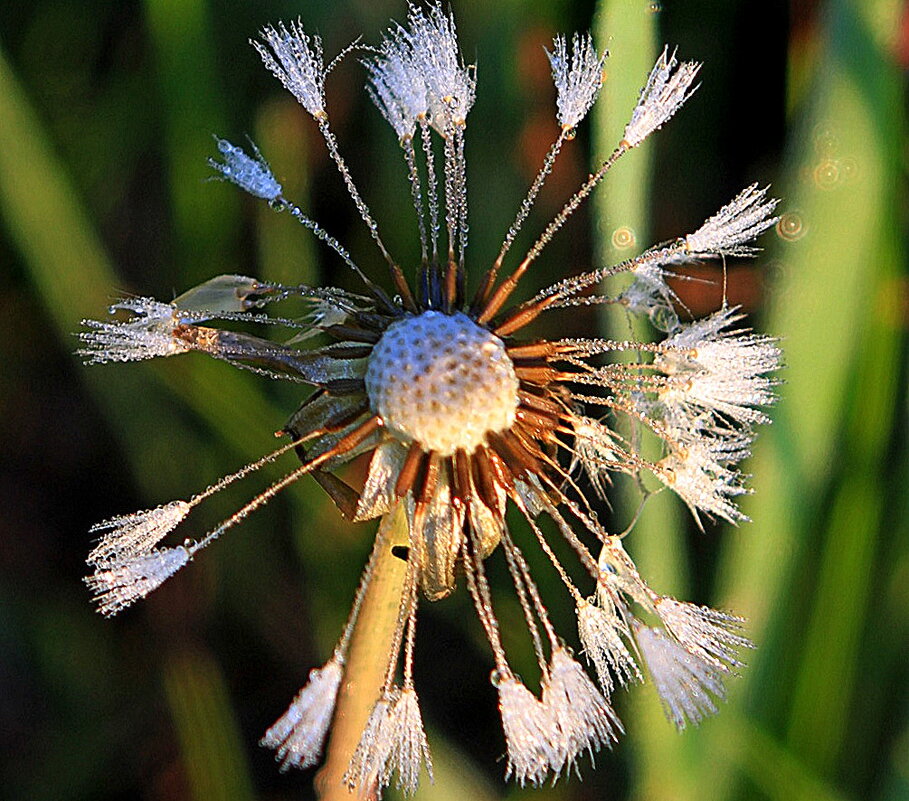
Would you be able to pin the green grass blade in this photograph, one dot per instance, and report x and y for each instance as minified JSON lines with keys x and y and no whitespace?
{"x":622,"y":227}
{"x":841,"y":190}
{"x":213,"y":751}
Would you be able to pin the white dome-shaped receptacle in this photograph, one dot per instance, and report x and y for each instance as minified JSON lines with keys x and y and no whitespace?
{"x":443,"y":381}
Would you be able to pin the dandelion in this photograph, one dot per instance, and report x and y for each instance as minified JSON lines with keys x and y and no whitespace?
{"x":463,"y":415}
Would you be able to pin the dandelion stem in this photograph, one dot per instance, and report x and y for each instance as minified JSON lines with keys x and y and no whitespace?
{"x":367,"y":659}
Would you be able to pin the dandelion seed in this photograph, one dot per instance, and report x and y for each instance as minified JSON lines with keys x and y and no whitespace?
{"x":129,"y":536}
{"x":585,"y":718}
{"x":666,"y":91}
{"x":686,"y":683}
{"x":577,"y":78}
{"x":462,"y":414}
{"x":701,"y":473}
{"x":530,"y":734}
{"x":713,"y":636}
{"x":602,"y":634}
{"x":410,"y":751}
{"x":740,"y":221}
{"x":451,"y":86}
{"x":296,"y":60}
{"x":398,"y":87}
{"x":369,"y":763}
{"x":719,"y":372}
{"x":119,"y":584}
{"x":148,"y":334}
{"x":252,"y":175}
{"x":298,"y":736}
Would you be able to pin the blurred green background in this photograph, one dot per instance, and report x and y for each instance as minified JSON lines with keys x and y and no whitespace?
{"x":106,"y":116}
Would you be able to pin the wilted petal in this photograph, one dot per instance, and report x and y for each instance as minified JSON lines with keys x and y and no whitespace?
{"x":379,"y":490}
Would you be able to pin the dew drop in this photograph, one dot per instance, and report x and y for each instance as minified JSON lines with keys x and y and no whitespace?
{"x":791,"y":226}
{"x":654,"y":7}
{"x":826,"y":142}
{"x":664,"y":318}
{"x":849,"y":170}
{"x":827,"y":174}
{"x":623,"y":238}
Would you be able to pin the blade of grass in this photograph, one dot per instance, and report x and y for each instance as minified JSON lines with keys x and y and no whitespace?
{"x":287,"y":253}
{"x":838,"y":187}
{"x":826,"y":682}
{"x":213,"y":751}
{"x":193,"y":100}
{"x":622,"y":225}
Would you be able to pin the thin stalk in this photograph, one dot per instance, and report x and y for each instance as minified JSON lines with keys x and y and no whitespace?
{"x":367,"y":660}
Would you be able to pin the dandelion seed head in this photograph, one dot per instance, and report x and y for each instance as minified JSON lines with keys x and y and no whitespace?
{"x":461,"y":415}
{"x":443,"y":381}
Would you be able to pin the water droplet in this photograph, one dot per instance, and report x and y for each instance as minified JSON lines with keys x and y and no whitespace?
{"x":791,"y":226}
{"x":654,"y":7}
{"x":623,"y":238}
{"x":827,"y":174}
{"x":849,"y":170}
{"x":826,"y":142}
{"x":663,"y":318}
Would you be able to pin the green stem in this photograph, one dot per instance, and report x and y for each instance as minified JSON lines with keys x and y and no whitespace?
{"x":367,"y":659}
